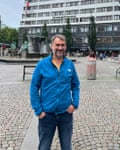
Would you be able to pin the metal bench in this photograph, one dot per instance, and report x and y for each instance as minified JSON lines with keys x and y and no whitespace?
{"x":117,"y":72}
{"x":27,"y":69}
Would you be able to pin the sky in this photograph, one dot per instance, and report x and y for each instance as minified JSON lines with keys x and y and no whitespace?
{"x":11,"y":12}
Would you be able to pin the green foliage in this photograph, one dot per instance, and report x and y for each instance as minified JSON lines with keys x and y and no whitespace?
{"x":68,"y":34}
{"x":92,"y":39}
{"x":44,"y":31}
{"x":3,"y":37}
{"x":25,"y":38}
{"x":7,"y":35}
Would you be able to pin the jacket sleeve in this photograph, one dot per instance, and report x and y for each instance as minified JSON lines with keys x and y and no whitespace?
{"x":75,"y":88}
{"x":35,"y":90}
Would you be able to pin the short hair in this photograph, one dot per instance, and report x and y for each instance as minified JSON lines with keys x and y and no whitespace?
{"x":60,"y":36}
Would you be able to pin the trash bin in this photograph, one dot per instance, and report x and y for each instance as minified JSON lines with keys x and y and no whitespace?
{"x":91,"y":69}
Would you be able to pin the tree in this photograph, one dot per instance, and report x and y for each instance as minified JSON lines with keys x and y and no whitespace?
{"x":44,"y":31}
{"x":92,"y":39}
{"x":3,"y":37}
{"x":67,"y":33}
{"x":25,"y":38}
{"x":7,"y":35}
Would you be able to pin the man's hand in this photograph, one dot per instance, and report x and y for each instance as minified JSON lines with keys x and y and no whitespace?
{"x":70,"y":109}
{"x":42,"y":115}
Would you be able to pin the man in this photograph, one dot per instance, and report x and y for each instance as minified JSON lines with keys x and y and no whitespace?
{"x":54,"y":95}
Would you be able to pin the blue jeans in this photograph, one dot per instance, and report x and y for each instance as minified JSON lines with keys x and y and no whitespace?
{"x":47,"y":127}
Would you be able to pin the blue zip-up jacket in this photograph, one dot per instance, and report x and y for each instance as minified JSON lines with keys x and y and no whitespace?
{"x":53,"y":90}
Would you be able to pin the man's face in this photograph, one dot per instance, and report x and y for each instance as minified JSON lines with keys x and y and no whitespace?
{"x":58,"y":48}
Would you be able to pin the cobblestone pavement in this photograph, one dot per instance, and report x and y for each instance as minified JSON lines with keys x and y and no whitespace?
{"x":15,"y":111}
{"x":96,"y":122}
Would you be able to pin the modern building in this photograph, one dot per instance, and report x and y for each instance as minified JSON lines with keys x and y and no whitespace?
{"x":55,"y":12}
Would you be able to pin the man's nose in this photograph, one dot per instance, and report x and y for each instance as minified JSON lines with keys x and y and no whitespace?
{"x":61,"y":47}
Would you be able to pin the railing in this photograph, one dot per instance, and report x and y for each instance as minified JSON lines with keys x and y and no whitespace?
{"x":27,"y":71}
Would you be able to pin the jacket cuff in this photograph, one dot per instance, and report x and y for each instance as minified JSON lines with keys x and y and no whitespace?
{"x":37,"y":113}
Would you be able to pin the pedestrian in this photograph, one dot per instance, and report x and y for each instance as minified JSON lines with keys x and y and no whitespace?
{"x":54,"y":95}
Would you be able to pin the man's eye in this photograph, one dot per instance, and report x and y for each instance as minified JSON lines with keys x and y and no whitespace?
{"x":60,"y":45}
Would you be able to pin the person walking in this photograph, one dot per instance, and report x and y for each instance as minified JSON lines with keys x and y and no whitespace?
{"x":54,"y":95}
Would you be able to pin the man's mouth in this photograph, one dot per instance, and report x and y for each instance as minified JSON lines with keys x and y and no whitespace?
{"x":60,"y":53}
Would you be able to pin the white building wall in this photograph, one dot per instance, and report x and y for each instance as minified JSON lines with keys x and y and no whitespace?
{"x":105,"y":12}
{"x":33,"y":21}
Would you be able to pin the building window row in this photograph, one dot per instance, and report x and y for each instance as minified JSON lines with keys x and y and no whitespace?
{"x":104,"y":9}
{"x":92,"y":10}
{"x":86,"y":11}
{"x":104,"y":18}
{"x":59,"y":17}
{"x":117,"y":8}
{"x":75,"y":3}
{"x":34,"y":1}
{"x":84,"y":19}
{"x":54,"y":5}
{"x":71,"y":12}
{"x":57,"y":5}
{"x":42,"y":22}
{"x":57,"y":13}
{"x":83,"y":2}
{"x":117,"y":17}
{"x":76,"y":29}
{"x":73,"y":19}
{"x":108,"y":40}
{"x":45,"y":14}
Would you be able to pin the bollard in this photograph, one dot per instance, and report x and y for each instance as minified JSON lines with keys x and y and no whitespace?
{"x":91,"y":68}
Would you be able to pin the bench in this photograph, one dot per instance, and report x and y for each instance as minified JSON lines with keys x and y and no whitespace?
{"x":27,"y":69}
{"x":117,"y":72}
